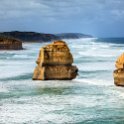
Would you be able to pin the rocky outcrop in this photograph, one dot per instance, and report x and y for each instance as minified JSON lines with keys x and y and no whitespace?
{"x":7,"y":43}
{"x":119,"y":72}
{"x":55,"y":62}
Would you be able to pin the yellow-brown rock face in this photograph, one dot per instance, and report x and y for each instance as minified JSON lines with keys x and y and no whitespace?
{"x":119,"y":72}
{"x":7,"y":43}
{"x":55,"y":62}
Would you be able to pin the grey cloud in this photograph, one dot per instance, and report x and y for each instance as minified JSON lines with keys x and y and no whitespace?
{"x":92,"y":15}
{"x":61,"y":8}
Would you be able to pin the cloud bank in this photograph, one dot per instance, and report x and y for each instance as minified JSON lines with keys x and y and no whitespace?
{"x":90,"y":16}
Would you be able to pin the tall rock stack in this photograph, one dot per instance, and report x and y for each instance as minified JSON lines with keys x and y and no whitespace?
{"x":119,"y":72}
{"x":55,"y":63}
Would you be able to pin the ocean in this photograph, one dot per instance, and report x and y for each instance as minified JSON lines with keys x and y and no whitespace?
{"x":91,"y":98}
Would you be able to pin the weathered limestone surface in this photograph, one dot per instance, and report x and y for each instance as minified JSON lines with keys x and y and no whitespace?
{"x":119,"y":72}
{"x":55,"y":62}
{"x":7,"y":43}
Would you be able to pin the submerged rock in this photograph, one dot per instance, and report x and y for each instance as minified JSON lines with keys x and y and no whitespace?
{"x":7,"y":43}
{"x":55,"y":62}
{"x":119,"y":72}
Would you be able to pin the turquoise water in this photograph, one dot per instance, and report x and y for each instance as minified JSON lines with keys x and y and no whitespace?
{"x":91,"y":98}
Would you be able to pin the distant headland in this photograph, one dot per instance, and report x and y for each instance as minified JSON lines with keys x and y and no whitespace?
{"x":42,"y":37}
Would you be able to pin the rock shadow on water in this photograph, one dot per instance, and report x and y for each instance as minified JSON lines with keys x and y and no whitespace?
{"x":53,"y":90}
{"x":29,"y":90}
{"x":18,"y":77}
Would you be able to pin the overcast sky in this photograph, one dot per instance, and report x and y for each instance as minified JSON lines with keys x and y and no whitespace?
{"x":101,"y":18}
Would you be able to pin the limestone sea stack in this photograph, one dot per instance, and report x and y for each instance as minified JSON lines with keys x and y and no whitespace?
{"x":7,"y":43}
{"x":55,"y":63}
{"x":119,"y":72}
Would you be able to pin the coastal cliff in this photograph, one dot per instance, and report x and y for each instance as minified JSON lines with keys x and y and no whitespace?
{"x":7,"y":43}
{"x":30,"y":36}
{"x":55,"y":63}
{"x":73,"y":35}
{"x":42,"y":37}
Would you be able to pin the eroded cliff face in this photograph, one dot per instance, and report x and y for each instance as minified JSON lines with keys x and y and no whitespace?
{"x":119,"y":72}
{"x":55,"y":62}
{"x":10,"y":44}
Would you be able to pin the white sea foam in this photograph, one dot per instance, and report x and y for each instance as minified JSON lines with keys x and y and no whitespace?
{"x":3,"y":89}
{"x":91,"y":95}
{"x":99,"y":82}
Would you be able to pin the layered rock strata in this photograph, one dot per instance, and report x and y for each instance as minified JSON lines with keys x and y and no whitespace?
{"x":119,"y":72}
{"x":7,"y":43}
{"x":55,"y":63}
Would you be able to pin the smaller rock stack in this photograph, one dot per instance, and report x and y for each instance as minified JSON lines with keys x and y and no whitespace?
{"x":7,"y":43}
{"x":55,"y":63}
{"x":119,"y":72}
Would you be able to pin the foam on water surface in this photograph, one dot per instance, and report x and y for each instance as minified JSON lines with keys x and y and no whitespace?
{"x":90,"y":98}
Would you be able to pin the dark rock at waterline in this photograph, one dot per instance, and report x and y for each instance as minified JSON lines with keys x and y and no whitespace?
{"x":7,"y":43}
